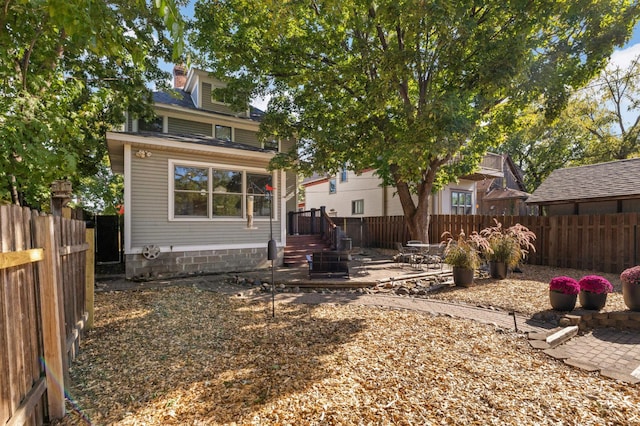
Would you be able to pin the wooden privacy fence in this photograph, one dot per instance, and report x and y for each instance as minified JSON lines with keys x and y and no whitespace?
{"x":42,"y":312}
{"x":605,"y":243}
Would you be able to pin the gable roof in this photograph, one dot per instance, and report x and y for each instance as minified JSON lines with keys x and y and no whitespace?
{"x":613,"y":180}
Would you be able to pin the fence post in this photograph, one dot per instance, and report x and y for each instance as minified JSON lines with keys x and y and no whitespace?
{"x":90,"y":276}
{"x":52,"y":336}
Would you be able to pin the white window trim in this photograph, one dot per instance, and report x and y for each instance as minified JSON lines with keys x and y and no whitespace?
{"x":244,"y":170}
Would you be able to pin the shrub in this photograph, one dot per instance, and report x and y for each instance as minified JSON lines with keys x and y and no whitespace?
{"x":464,"y":251}
{"x":509,"y":245}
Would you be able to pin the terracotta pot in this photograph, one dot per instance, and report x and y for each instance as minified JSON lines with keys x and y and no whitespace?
{"x":463,"y":277}
{"x":631,"y":294}
{"x":561,"y":301}
{"x":592,"y":301}
{"x":498,"y":270}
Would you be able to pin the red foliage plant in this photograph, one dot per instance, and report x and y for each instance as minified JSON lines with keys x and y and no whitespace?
{"x":566,"y":285}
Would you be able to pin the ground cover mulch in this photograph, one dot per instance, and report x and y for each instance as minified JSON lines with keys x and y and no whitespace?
{"x":181,"y":355}
{"x":526,"y":292}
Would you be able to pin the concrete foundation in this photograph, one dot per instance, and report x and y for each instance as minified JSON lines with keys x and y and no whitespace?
{"x":179,"y":264}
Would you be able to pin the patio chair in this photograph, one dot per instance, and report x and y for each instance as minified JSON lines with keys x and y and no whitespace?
{"x":403,"y":255}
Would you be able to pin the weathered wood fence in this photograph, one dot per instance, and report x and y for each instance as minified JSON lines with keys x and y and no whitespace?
{"x":605,"y":243}
{"x":42,"y":312}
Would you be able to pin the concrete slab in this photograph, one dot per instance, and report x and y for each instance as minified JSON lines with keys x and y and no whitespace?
{"x":581,"y":364}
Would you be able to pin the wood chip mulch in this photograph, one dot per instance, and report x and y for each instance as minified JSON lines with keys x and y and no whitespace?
{"x":181,"y":355}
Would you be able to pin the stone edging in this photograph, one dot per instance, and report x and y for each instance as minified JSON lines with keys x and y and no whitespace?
{"x":586,"y":320}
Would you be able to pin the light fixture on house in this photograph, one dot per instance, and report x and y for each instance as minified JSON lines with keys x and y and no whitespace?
{"x":143,"y":154}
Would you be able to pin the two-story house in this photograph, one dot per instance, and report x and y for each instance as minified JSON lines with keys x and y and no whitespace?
{"x":350,"y":194}
{"x":196,"y":185}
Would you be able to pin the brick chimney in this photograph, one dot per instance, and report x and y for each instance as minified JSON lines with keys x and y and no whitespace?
{"x":179,"y":76}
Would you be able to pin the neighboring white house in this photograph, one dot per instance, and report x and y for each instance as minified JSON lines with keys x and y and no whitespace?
{"x":351,"y":194}
{"x":195,"y":184}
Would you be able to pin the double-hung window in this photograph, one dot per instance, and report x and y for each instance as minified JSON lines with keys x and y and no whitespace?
{"x":211,"y":192}
{"x":461,"y":202}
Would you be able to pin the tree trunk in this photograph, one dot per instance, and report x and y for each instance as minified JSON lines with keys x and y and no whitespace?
{"x":417,"y":216}
{"x":15,"y":196}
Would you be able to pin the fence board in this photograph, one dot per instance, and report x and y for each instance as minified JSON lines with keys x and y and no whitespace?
{"x":34,"y":309}
{"x":605,"y":243}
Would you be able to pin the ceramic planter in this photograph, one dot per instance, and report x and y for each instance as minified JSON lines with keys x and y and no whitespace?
{"x":631,"y":294}
{"x":592,"y":301}
{"x":498,"y":269}
{"x":462,"y":276}
{"x":561,"y":301}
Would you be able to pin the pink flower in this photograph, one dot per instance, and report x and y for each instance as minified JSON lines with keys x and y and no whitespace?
{"x":595,"y":284}
{"x":631,"y":275}
{"x":566,"y":285}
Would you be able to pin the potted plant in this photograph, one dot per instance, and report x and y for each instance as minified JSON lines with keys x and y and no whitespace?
{"x":563,"y":292}
{"x":631,"y":287}
{"x":593,"y":292}
{"x":506,"y":247}
{"x":463,"y":254}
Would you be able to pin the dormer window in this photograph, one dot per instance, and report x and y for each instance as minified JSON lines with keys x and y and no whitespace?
{"x":223,"y":133}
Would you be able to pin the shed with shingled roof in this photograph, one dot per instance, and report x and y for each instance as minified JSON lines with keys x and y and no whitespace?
{"x":612,"y":187}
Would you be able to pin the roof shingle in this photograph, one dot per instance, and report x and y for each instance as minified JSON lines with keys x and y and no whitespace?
{"x":612,"y":180}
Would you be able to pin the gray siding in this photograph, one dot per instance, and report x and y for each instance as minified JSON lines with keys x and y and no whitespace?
{"x":246,"y":137}
{"x":213,"y":106}
{"x":287,"y":145}
{"x":150,"y":209}
{"x":188,"y":127}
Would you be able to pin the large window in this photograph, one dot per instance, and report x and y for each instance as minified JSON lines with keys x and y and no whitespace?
{"x":227,"y":193}
{"x":214,"y":192}
{"x":223,"y":133}
{"x":257,"y":186}
{"x":191,"y":191}
{"x":461,"y":202}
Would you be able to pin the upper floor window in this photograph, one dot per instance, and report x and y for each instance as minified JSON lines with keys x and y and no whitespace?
{"x":271,"y":145}
{"x":343,"y":174}
{"x":223,"y":133}
{"x":461,"y":202}
{"x":332,"y":186}
{"x":154,"y":125}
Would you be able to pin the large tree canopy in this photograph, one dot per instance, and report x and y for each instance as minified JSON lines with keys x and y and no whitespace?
{"x":69,"y":69}
{"x":601,"y":123}
{"x":609,"y":108}
{"x":418,"y":90}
